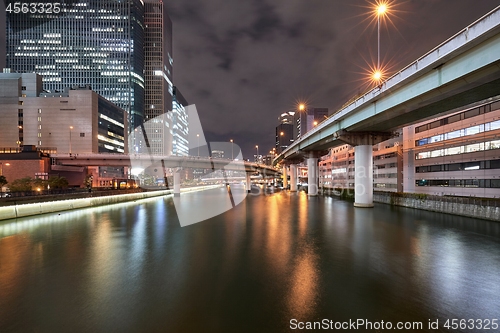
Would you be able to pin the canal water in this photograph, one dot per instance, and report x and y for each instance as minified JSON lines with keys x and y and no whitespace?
{"x":271,"y":264}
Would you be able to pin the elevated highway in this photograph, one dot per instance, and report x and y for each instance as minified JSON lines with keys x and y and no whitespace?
{"x":463,"y":70}
{"x":145,"y":161}
{"x":460,"y":71}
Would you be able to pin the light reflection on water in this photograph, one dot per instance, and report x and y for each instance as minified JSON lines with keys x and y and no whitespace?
{"x":131,"y":267}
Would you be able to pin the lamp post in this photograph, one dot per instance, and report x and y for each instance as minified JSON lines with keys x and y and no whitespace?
{"x":232,"y":149}
{"x":70,"y":130}
{"x":380,"y":10}
{"x":257,"y":156}
{"x":198,"y":137}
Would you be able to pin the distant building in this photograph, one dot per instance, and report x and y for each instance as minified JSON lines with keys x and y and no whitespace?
{"x":217,"y":154}
{"x":284,"y":135}
{"x":305,"y":120}
{"x":267,"y":159}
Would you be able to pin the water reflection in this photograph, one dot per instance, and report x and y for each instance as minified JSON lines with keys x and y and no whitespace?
{"x":131,"y":267}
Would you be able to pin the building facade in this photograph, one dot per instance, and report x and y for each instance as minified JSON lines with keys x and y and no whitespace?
{"x":457,"y":154}
{"x":96,"y":43}
{"x":306,"y":119}
{"x":180,"y":122}
{"x":75,"y":120}
{"x":284,"y":134}
{"x":159,"y":88}
{"x":336,"y":170}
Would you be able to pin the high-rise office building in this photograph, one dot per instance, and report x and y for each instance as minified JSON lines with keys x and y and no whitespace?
{"x":96,"y":43}
{"x":180,"y":125}
{"x":284,"y":131}
{"x":305,"y":120}
{"x":158,"y":76}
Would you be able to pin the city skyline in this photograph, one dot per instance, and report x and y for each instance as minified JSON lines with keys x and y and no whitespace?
{"x":245,"y":63}
{"x":226,"y":66}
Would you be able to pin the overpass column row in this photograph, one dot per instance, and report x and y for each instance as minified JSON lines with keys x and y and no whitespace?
{"x":248,"y":183}
{"x":312,"y":174}
{"x":293,"y":178}
{"x":285,"y":177}
{"x":177,"y":183}
{"x":363,"y":162}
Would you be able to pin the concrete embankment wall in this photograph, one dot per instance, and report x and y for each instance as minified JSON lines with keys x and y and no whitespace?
{"x":24,"y":210}
{"x":460,"y":206}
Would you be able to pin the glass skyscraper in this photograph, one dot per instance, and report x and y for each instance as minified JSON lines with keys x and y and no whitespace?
{"x":158,"y":77}
{"x":96,"y":43}
{"x":180,"y":125}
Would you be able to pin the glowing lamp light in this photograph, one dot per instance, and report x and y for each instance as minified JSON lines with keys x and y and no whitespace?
{"x":302,"y":107}
{"x":377,"y":75}
{"x":381,"y":9}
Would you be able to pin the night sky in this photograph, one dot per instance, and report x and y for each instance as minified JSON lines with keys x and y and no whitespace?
{"x":244,"y":62}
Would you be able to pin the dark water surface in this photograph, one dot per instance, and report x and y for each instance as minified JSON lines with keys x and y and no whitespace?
{"x":132,"y":268}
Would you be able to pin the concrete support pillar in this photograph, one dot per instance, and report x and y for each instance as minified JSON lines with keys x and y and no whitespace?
{"x":312,"y":176}
{"x":363,"y":178}
{"x":293,"y":178}
{"x":177,"y":183}
{"x":248,"y":185}
{"x":285,"y":177}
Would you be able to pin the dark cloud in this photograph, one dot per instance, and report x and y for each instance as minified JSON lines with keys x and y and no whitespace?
{"x":245,"y":62}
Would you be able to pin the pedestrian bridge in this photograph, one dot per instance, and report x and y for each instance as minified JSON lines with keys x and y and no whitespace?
{"x":463,"y":70}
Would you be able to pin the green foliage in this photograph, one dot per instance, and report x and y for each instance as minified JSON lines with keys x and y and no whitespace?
{"x":21,"y":185}
{"x":58,"y":182}
{"x":3,"y":181}
{"x":29,"y":184}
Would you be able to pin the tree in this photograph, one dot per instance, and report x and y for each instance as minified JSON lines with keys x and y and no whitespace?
{"x":21,"y":185}
{"x":3,"y":181}
{"x":39,"y":183}
{"x":58,"y":182}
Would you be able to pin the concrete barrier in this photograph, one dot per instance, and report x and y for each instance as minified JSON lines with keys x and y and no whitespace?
{"x":491,"y":213}
{"x":24,"y":210}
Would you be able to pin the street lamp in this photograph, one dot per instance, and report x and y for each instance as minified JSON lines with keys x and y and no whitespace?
{"x":381,"y":10}
{"x":302,"y":107}
{"x":257,"y":157}
{"x":232,"y":149}
{"x":70,"y":130}
{"x":198,"y":136}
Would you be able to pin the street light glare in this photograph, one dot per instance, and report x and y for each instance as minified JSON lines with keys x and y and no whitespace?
{"x":381,"y":9}
{"x":377,"y":75}
{"x":302,"y":107}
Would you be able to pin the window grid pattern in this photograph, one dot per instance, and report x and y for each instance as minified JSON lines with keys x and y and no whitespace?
{"x":96,"y":43}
